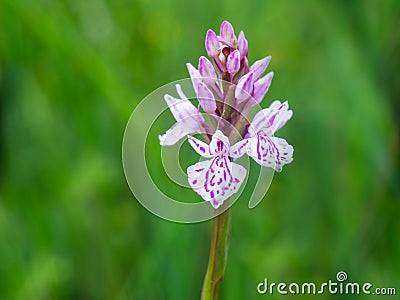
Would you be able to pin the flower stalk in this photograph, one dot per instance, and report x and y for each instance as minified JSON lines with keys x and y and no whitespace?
{"x":220,"y":238}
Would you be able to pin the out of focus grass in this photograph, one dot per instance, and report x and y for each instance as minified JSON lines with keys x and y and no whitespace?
{"x":71,"y":72}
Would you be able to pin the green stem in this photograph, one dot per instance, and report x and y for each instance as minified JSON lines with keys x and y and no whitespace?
{"x":220,"y":238}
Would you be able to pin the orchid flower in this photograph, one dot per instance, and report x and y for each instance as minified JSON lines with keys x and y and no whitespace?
{"x":263,"y":147}
{"x":217,"y":179}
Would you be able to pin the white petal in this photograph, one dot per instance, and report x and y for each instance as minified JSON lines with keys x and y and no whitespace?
{"x":261,"y":118}
{"x":239,"y":149}
{"x":179,"y":130}
{"x":279,"y":117}
{"x":196,"y":175}
{"x":181,"y":108}
{"x":216,"y":180}
{"x":194,"y":75}
{"x":270,"y":152}
{"x":271,"y":119}
{"x":201,"y":148}
{"x":180,"y":92}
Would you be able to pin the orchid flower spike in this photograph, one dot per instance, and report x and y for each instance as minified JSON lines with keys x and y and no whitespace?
{"x":227,"y":88}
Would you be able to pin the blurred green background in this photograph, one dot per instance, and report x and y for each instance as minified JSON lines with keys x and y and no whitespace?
{"x":71,"y":73}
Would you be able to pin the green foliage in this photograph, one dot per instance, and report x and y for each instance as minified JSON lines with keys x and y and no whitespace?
{"x":71,"y":72}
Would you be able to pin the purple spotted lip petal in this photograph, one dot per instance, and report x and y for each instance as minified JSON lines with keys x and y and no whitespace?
{"x":217,"y":179}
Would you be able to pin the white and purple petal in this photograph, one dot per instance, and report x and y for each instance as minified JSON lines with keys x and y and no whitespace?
{"x":259,"y":67}
{"x":194,"y":76}
{"x":270,"y":151}
{"x":242,"y":45}
{"x":206,"y":69}
{"x":244,"y":87}
{"x":196,"y":175}
{"x":216,"y":180}
{"x":271,"y":119}
{"x":227,"y":33}
{"x":206,"y":98}
{"x":239,"y":149}
{"x":201,"y":148}
{"x":179,"y":130}
{"x":219,"y":144}
{"x":280,"y":115}
{"x":212,"y":43}
{"x":233,"y":62}
{"x":180,"y":108}
{"x":261,"y":87}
